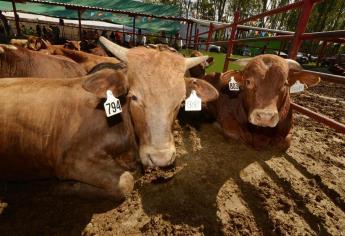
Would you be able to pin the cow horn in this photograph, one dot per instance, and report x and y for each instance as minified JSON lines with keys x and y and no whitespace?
{"x":242,"y":62}
{"x":293,"y":65}
{"x":116,"y":50}
{"x":193,"y":61}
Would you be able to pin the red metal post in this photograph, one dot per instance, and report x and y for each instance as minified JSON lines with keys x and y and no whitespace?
{"x":231,"y":41}
{"x":196,"y":39}
{"x":301,"y":26}
{"x":209,"y":37}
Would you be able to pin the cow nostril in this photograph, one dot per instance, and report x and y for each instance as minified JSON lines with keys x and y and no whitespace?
{"x":172,"y":159}
{"x":150,"y":158}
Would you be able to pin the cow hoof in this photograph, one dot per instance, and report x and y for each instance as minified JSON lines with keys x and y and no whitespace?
{"x":126,"y":183}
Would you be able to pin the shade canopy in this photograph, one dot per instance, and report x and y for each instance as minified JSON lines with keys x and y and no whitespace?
{"x":113,"y":11}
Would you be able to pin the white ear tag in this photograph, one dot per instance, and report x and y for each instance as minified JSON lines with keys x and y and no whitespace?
{"x":193,"y":102}
{"x":112,"y":105}
{"x":297,"y":87}
{"x":233,"y":85}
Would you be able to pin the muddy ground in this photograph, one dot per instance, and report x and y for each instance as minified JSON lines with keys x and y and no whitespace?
{"x":219,"y":187}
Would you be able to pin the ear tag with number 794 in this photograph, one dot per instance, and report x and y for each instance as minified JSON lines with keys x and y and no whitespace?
{"x":193,"y":102}
{"x":112,"y":105}
{"x":297,"y":87}
{"x":233,"y":85}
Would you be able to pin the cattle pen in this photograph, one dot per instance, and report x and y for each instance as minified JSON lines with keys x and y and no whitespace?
{"x":217,"y":186}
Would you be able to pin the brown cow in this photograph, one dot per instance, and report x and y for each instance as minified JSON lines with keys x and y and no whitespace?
{"x":54,"y":128}
{"x":21,"y":62}
{"x":58,"y":127}
{"x":87,"y":60}
{"x":70,"y":50}
{"x":156,"y":93}
{"x":86,"y":46}
{"x":259,"y":114}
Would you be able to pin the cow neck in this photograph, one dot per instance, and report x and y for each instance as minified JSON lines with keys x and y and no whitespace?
{"x":230,"y":94}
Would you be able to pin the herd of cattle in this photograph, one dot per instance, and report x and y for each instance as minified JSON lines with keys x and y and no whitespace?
{"x":53,"y":124}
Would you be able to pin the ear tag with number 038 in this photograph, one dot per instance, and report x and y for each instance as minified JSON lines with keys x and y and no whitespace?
{"x":297,"y":87}
{"x":112,"y":105}
{"x":193,"y":102}
{"x":233,"y":85}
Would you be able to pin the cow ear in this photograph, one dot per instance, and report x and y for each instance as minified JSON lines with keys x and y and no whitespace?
{"x":203,"y":89}
{"x":98,"y":83}
{"x":305,"y":78}
{"x":226,"y":77}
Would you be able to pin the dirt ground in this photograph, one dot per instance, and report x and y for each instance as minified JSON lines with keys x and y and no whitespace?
{"x":219,"y":187}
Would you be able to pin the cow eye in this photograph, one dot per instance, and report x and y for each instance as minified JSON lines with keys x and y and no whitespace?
{"x":134,"y":98}
{"x":249,"y":83}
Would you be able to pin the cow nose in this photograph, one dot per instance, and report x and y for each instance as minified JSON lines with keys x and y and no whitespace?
{"x":264,"y":118}
{"x":159,"y":158}
{"x":162,"y":160}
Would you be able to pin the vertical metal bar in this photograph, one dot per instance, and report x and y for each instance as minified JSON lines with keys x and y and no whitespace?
{"x":209,"y":37}
{"x":231,"y":41}
{"x":187,"y":33}
{"x":196,"y":37}
{"x":133,"y":31}
{"x":16,"y":17}
{"x":281,"y":46}
{"x":301,"y":26}
{"x":321,"y":52}
{"x":190,"y":34}
{"x":79,"y":21}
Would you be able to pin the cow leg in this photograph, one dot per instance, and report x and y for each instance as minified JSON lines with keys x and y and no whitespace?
{"x":101,"y":172}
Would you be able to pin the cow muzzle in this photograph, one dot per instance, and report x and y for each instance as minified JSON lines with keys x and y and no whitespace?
{"x":264,"y":117}
{"x":153,"y":157}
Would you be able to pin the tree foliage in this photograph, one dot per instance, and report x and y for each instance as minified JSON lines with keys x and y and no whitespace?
{"x":327,"y":15}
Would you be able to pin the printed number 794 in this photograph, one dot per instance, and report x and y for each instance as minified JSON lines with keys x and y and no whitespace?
{"x":111,"y":107}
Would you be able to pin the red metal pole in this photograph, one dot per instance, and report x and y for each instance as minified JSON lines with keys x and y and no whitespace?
{"x":339,"y":127}
{"x":301,"y":26}
{"x":196,"y":38}
{"x":209,"y":37}
{"x":231,"y":41}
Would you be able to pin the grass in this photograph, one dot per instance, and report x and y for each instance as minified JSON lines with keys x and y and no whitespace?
{"x":218,"y":60}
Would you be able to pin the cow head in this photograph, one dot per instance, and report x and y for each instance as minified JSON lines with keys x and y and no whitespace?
{"x":157,"y":87}
{"x":265,"y":81}
{"x":198,"y":71}
{"x":73,"y":45}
